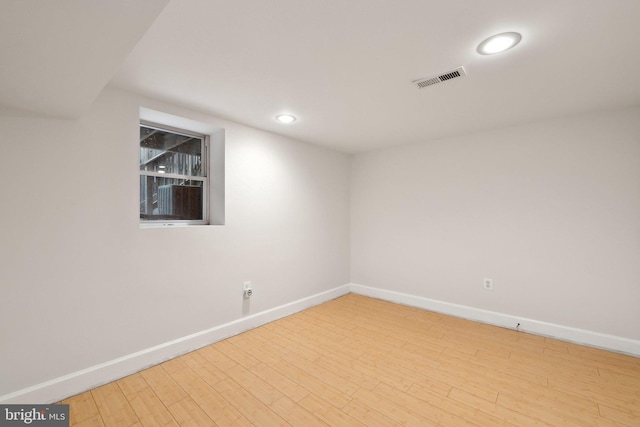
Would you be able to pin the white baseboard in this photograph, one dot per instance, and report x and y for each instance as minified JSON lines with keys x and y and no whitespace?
{"x":86,"y":379}
{"x":565,"y":333}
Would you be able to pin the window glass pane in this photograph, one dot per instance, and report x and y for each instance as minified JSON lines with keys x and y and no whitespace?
{"x":166,"y":152}
{"x":170,"y":199}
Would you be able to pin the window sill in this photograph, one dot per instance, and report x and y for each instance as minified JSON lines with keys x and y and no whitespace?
{"x":169,"y":225}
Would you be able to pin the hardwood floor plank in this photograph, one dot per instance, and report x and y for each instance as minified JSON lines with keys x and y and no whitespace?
{"x":262,"y":347}
{"x":332,"y":362}
{"x":384,"y":370}
{"x":360,"y":361}
{"x":391,"y":410}
{"x":95,"y":421}
{"x":313,"y":384}
{"x":132,"y":384}
{"x":498,"y":411}
{"x":568,"y":418}
{"x":591,"y":393}
{"x":163,"y":385}
{"x":150,"y":410}
{"x":114,"y":407}
{"x":207,"y":398}
{"x":438,"y":408}
{"x":216,"y":357}
{"x":628,"y":418}
{"x":295,"y":414}
{"x":236,"y":354}
{"x":368,"y":416}
{"x":194,"y":360}
{"x":173,"y":364}
{"x":287,"y":387}
{"x":82,"y":407}
{"x":623,"y":376}
{"x":197,"y":389}
{"x":328,"y":413}
{"x":189,"y":414}
{"x":329,"y":377}
{"x":262,"y":390}
{"x":209,"y":373}
{"x":248,"y":405}
{"x":294,"y":343}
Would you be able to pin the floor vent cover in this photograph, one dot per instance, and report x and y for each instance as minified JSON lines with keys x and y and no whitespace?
{"x":430,"y":81}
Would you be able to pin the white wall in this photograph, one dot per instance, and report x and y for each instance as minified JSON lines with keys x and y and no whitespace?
{"x":550,"y":211}
{"x":82,"y":284}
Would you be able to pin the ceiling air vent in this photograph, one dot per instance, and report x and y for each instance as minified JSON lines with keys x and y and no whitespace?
{"x":430,"y":81}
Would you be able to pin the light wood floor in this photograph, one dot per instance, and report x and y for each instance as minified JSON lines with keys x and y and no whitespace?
{"x":359,"y":361}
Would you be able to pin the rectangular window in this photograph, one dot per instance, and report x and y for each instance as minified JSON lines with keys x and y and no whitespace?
{"x":173,"y":176}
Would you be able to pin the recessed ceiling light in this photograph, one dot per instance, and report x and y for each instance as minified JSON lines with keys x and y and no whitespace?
{"x":285,"y":118}
{"x":499,"y":43}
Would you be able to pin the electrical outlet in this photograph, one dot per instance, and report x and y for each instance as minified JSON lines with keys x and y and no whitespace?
{"x":247,"y":291}
{"x":487,"y":284}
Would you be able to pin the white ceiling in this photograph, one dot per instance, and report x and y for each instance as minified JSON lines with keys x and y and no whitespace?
{"x":57,"y":56}
{"x":344,"y":67}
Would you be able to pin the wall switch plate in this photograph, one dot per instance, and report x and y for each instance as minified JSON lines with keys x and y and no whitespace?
{"x":487,"y":284}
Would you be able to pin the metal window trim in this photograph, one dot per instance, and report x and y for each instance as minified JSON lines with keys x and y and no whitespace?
{"x":178,"y":131}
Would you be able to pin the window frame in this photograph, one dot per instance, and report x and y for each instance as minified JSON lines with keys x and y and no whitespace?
{"x":205,"y":164}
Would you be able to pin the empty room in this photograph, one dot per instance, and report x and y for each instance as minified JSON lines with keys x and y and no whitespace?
{"x":343,"y":213}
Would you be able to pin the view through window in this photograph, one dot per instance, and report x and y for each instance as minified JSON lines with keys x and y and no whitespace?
{"x":173,"y":176}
